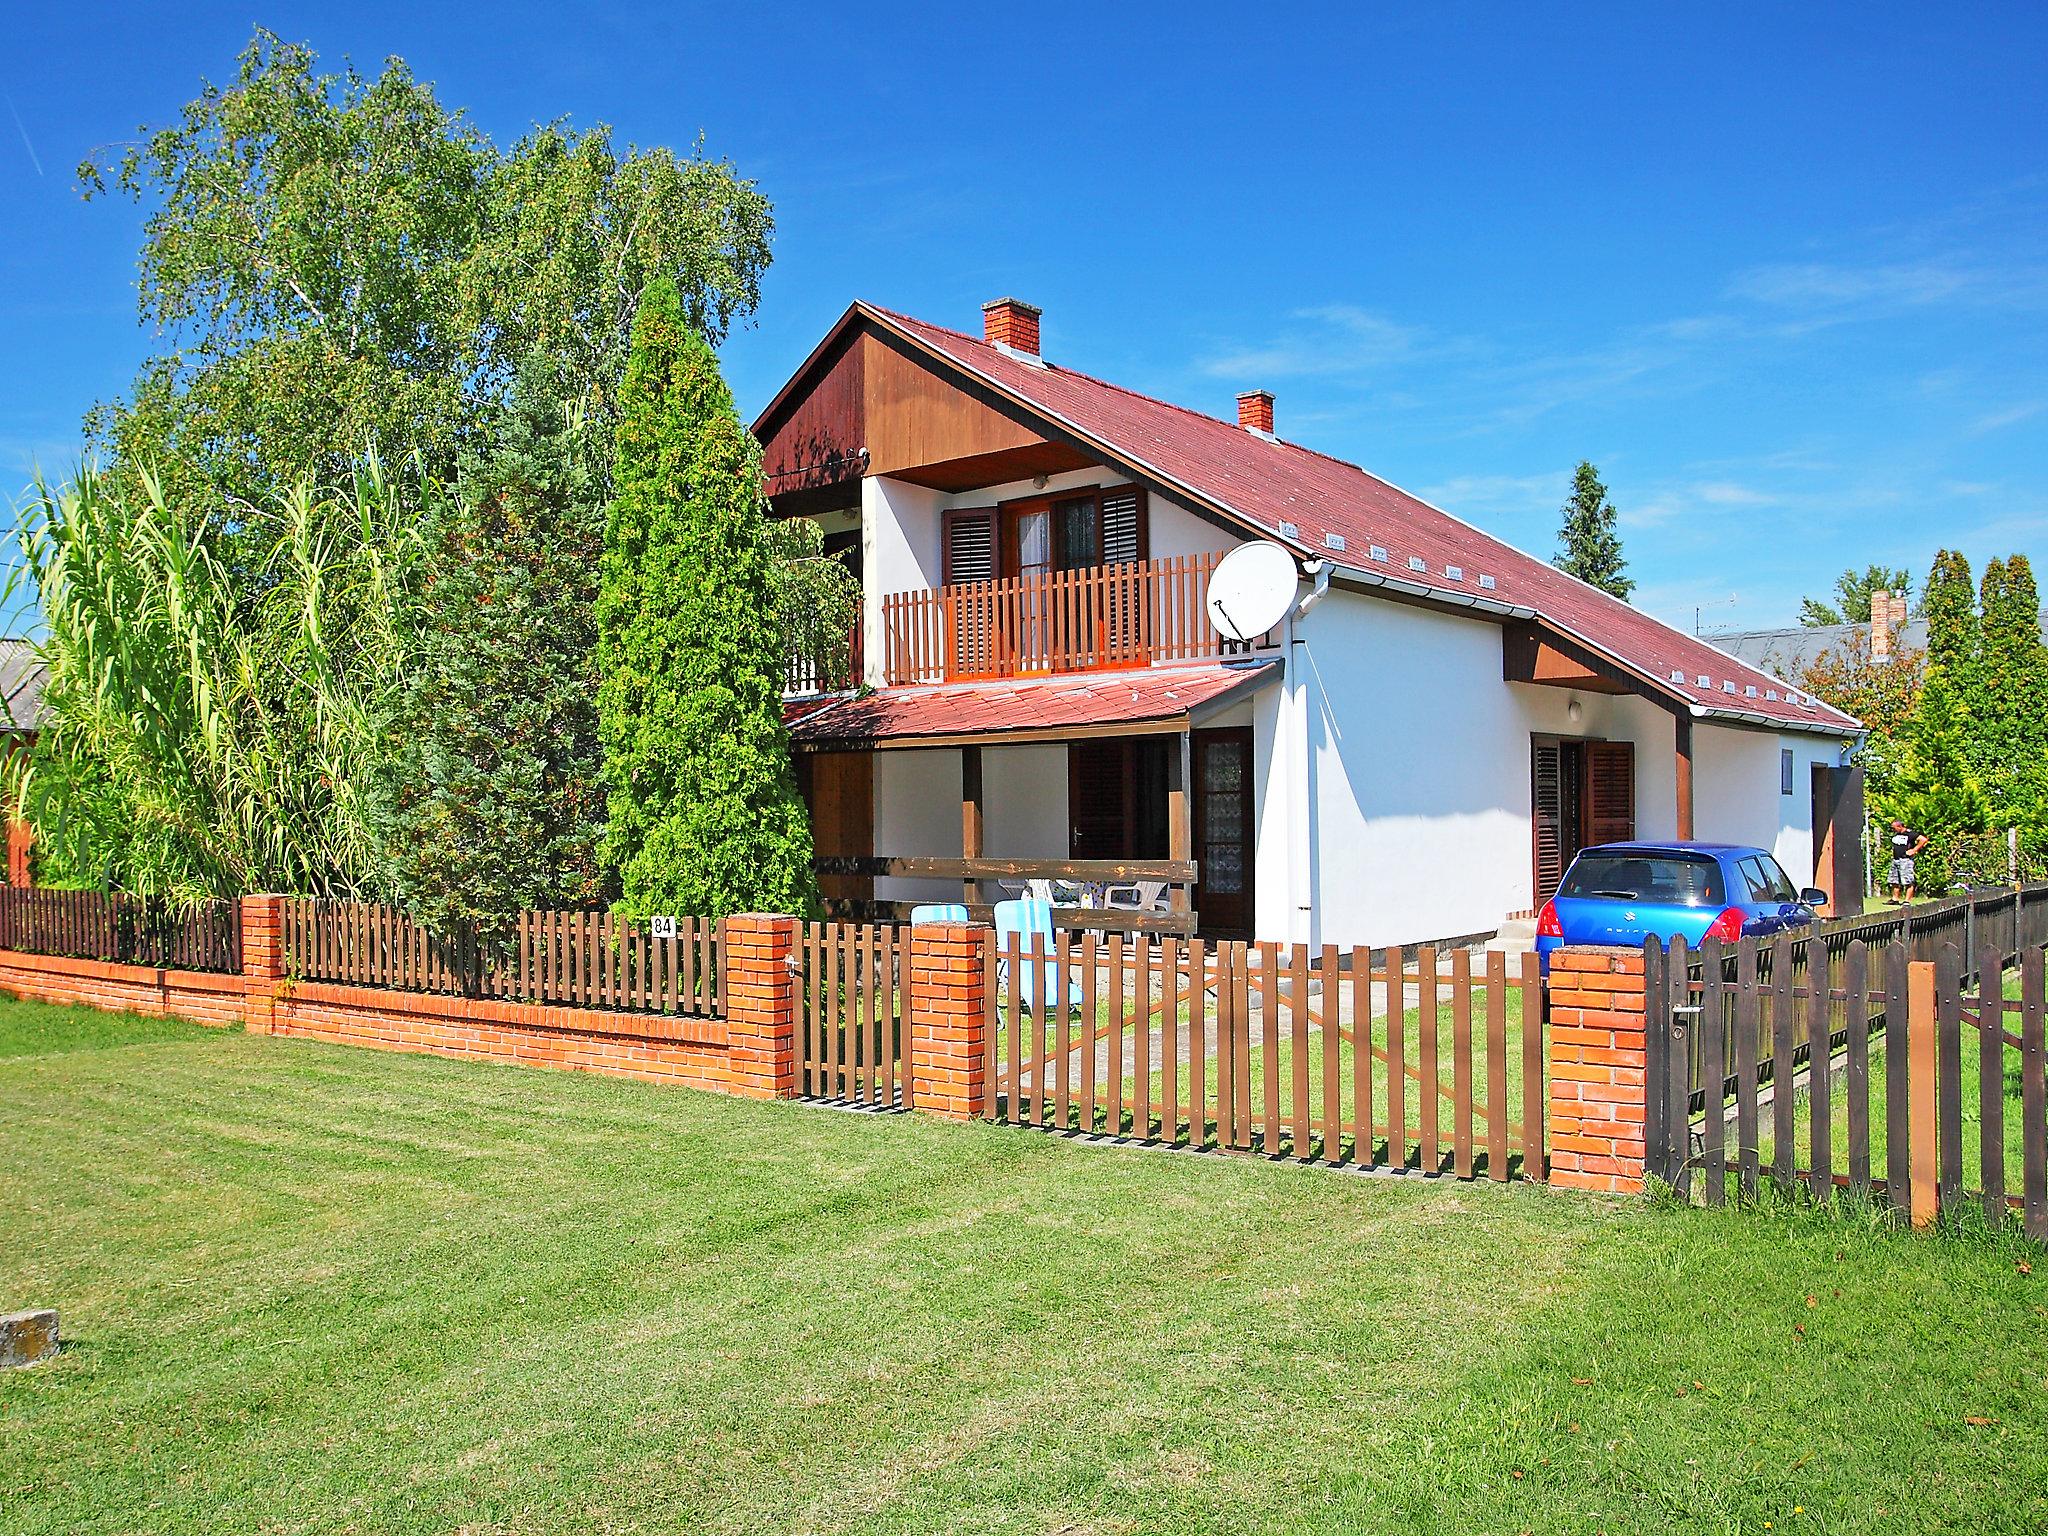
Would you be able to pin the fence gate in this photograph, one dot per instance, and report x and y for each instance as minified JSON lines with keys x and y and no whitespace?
{"x":1409,"y":1059}
{"x":851,"y":1042}
{"x":1857,"y":1070}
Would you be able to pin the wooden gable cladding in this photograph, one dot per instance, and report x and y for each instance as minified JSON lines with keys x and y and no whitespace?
{"x":1530,"y":656}
{"x":866,"y":392}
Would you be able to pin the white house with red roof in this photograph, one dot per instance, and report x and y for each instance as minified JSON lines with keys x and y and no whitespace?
{"x":1413,"y":753}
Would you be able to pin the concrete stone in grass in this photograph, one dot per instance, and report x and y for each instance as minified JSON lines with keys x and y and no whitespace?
{"x":26,"y":1337}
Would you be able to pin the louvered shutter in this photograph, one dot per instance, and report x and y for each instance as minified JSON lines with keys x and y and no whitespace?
{"x":1124,"y":531}
{"x":1547,"y":806}
{"x":971,"y":546}
{"x":1610,"y":792}
{"x":972,"y":556}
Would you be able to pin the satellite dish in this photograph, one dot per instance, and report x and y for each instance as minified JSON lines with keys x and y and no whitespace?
{"x":1251,"y":590}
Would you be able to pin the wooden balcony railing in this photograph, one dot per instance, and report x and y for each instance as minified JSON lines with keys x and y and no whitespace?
{"x":1101,"y":619}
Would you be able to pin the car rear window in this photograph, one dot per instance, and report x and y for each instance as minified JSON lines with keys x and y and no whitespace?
{"x":1674,"y":879}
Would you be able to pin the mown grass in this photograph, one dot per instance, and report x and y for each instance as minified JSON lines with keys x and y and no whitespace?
{"x":313,"y":1289}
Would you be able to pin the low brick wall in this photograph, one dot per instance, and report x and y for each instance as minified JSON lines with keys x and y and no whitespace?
{"x":672,"y":1050}
{"x":196,"y":995}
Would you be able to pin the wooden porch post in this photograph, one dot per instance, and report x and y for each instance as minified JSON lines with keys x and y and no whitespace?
{"x":1179,"y":833}
{"x":1683,"y":730}
{"x":971,"y":844}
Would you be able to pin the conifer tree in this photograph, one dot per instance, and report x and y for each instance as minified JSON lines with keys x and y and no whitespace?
{"x":1589,"y":546}
{"x":490,"y":800}
{"x":704,"y":814}
{"x":2010,"y":700}
{"x":1950,"y":608}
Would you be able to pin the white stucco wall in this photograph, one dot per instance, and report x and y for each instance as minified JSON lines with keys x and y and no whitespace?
{"x":917,"y":810}
{"x":1738,"y":791}
{"x":1420,"y":806}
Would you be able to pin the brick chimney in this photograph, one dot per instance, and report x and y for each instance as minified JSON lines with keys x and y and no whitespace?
{"x":1887,"y":610}
{"x":1255,"y":411}
{"x":1011,"y":324}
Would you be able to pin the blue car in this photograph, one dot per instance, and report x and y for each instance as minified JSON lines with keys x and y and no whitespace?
{"x":1624,"y":893}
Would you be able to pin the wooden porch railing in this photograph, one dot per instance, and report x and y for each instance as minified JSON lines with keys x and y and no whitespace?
{"x":980,"y":880}
{"x":1103,"y":618}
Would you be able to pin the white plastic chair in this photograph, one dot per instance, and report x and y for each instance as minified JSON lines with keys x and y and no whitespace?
{"x":938,"y":912}
{"x":1137,"y":896}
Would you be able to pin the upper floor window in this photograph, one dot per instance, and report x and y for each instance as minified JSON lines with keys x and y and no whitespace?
{"x":1071,"y":532}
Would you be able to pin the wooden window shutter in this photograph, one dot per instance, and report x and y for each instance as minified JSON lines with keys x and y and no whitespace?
{"x":1610,"y":792}
{"x":971,"y":552}
{"x":1125,"y":536}
{"x":1547,"y":805}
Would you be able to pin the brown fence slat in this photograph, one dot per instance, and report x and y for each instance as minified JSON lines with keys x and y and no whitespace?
{"x":1299,"y":1135}
{"x":1856,"y":1063}
{"x":1199,"y":1016}
{"x":1898,"y":1101}
{"x":1461,"y":1062}
{"x":1397,"y":1056}
{"x":1497,"y":1065}
{"x":1141,"y":986}
{"x":1333,"y":1071}
{"x":1948,"y":1071}
{"x":1535,"y":1014}
{"x":1820,"y":987}
{"x":1991,"y":1080}
{"x":1784,"y":1065}
{"x":2034,"y":1090}
{"x":1426,"y":1022}
{"x":1713,"y":1039}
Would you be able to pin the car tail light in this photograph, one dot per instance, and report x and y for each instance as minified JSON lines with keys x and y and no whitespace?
{"x":1547,"y":925}
{"x":1727,"y":927}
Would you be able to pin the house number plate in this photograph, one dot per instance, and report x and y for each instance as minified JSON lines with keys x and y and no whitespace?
{"x":664,"y":927}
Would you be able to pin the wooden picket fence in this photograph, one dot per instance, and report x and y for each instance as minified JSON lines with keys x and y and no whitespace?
{"x":122,"y":928}
{"x":1425,"y":1061}
{"x":1833,"y":1072}
{"x":852,"y":1044}
{"x":573,"y":959}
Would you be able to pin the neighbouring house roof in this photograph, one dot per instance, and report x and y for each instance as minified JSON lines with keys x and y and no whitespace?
{"x":1026,"y":708}
{"x":1314,"y":504}
{"x":21,"y":685}
{"x":1788,"y":653}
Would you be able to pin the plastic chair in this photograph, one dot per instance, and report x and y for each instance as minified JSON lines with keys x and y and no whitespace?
{"x":938,"y":912}
{"x":1031,"y":921}
{"x":1137,"y":896}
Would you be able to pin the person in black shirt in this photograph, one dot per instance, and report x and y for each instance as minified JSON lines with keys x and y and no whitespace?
{"x":1907,"y":845}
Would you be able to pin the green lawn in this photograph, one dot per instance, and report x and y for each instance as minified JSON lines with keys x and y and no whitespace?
{"x":314,"y":1289}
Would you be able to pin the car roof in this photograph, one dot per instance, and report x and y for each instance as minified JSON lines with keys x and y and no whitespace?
{"x":1712,"y":850}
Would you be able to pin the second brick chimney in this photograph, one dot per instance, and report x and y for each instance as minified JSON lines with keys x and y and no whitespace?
{"x":1011,"y":323}
{"x":1887,"y":612}
{"x":1255,"y":411}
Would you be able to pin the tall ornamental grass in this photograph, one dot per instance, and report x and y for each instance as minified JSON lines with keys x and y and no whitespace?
{"x":212,"y":689}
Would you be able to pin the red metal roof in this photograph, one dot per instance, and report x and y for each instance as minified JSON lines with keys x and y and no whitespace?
{"x":1268,"y":483}
{"x":1023,"y":704}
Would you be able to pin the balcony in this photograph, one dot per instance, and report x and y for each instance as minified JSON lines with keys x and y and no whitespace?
{"x":1104,"y":618}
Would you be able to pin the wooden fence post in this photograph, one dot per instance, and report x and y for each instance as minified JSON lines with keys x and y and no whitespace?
{"x":946,"y":1011}
{"x":1920,"y":1054}
{"x":759,"y":994}
{"x":262,"y":919}
{"x":1599,"y":1095}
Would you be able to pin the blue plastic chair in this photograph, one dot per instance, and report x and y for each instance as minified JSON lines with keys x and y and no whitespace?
{"x":938,"y":912}
{"x":1030,"y":918}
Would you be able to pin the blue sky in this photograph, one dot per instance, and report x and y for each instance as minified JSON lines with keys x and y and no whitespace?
{"x":1781,"y":272}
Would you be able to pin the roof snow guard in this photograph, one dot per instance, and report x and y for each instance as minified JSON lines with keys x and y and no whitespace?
{"x":1325,"y":508}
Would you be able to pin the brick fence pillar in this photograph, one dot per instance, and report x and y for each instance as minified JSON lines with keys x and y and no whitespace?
{"x":262,"y":961}
{"x":21,"y":841}
{"x":760,"y":1004}
{"x":1598,"y":1092}
{"x":948,"y":1018}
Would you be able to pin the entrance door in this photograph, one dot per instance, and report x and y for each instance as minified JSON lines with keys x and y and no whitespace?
{"x":1580,"y":793}
{"x":1116,"y":796}
{"x":1225,"y":839}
